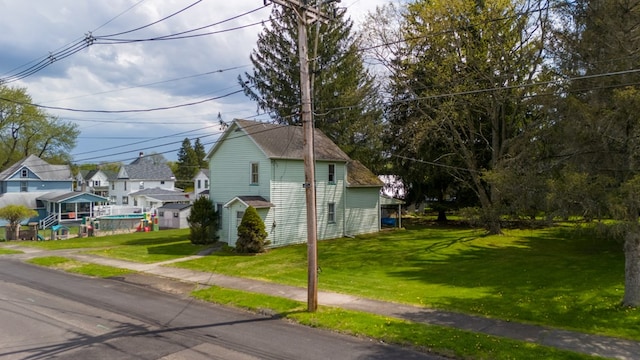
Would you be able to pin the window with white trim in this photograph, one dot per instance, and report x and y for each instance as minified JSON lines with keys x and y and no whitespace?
{"x":239,"y":216}
{"x":331,"y":213}
{"x":254,"y":173}
{"x":24,"y":186}
{"x":24,"y":173}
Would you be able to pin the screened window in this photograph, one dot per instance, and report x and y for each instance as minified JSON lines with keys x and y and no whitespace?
{"x":254,"y":174}
{"x":331,"y":213}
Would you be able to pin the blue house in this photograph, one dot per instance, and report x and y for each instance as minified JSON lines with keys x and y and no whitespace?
{"x":46,"y":188}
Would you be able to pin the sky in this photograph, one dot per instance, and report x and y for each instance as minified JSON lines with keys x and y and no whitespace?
{"x":197,"y":77}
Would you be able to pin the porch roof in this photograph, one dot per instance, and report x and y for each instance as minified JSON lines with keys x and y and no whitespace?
{"x":70,"y":197}
{"x":258,"y":202}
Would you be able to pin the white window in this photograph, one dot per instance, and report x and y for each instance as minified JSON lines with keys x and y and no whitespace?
{"x":206,"y":183}
{"x":331,"y":213}
{"x":161,"y":213}
{"x":332,"y":174}
{"x":125,"y":200}
{"x":24,"y":186}
{"x":176,"y":214}
{"x":24,"y":173}
{"x":96,"y":182}
{"x":199,"y":184}
{"x":254,"y":174}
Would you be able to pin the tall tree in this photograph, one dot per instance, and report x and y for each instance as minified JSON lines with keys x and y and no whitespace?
{"x":344,"y":94}
{"x":201,"y":153}
{"x":27,"y":130}
{"x":187,"y":165}
{"x":462,"y":90}
{"x":598,"y":134}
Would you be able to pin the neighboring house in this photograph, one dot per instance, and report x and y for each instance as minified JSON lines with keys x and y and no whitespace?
{"x":174,"y":215}
{"x":143,"y":173}
{"x":46,"y":188}
{"x":201,"y":183}
{"x":94,"y":181}
{"x":261,"y":165}
{"x":148,"y":200}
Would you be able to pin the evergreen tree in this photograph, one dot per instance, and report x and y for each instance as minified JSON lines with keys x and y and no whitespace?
{"x":198,"y":148}
{"x":344,"y":96}
{"x":187,"y":165}
{"x":203,"y":222}
{"x":251,"y":233}
{"x":596,"y":128}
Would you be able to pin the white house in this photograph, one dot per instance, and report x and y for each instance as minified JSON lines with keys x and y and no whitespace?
{"x":201,"y":183}
{"x":145,"y":172}
{"x":94,"y":181}
{"x":261,"y":165}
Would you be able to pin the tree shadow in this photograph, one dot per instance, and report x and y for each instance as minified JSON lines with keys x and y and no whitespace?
{"x":557,"y":277}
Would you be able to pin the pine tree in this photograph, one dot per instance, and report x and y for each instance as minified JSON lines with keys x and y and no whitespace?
{"x":187,"y":165}
{"x":251,"y":233}
{"x":345,"y":98}
{"x":200,"y":153}
{"x":203,"y":222}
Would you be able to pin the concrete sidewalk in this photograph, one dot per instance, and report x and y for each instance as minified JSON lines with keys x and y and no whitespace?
{"x":604,"y":346}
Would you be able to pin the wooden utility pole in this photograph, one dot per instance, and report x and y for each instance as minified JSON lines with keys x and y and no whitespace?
{"x":307,"y":14}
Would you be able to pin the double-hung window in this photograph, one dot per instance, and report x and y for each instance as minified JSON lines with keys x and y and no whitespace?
{"x":332,"y":174}
{"x":331,"y":213}
{"x":254,"y":174}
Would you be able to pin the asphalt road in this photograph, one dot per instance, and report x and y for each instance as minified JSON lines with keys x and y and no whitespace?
{"x":48,"y":314}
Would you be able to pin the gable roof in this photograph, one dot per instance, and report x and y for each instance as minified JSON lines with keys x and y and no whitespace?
{"x":284,"y":141}
{"x":40,"y":168}
{"x":162,"y":194}
{"x":359,"y":176}
{"x":146,"y":168}
{"x":258,"y":202}
{"x":174,"y":206}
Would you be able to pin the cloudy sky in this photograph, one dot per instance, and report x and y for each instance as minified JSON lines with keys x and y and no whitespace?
{"x":123,"y":76}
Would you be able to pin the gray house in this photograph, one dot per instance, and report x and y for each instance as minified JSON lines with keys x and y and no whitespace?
{"x":145,"y":172}
{"x":261,"y":165}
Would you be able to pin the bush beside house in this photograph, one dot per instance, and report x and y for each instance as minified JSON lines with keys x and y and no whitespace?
{"x":251,"y":233}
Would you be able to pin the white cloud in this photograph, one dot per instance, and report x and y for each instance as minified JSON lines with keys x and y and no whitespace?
{"x":108,"y":76}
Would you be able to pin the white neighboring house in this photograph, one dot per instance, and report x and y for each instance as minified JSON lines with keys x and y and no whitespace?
{"x":94,"y":181}
{"x":201,"y":184}
{"x":148,"y":200}
{"x":145,"y":172}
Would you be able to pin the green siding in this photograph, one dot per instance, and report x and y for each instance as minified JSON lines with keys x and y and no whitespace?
{"x":363,"y":210}
{"x":230,"y":172}
{"x":281,"y":183}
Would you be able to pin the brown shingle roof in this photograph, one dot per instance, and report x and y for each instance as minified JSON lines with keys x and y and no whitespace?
{"x":287,"y":142}
{"x":359,"y":176}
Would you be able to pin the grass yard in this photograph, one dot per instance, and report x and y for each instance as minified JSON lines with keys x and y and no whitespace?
{"x":144,"y":247}
{"x":556,"y":276}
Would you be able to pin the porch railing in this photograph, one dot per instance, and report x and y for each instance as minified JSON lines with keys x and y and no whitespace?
{"x":52,"y":219}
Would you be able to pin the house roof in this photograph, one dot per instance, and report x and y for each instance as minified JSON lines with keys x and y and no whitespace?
{"x":285,"y":141}
{"x":41,"y":168}
{"x":71,"y":197}
{"x":257,"y":202}
{"x":146,"y":168}
{"x":175,"y":206}
{"x":162,"y":194}
{"x":359,"y":176}
{"x":27,"y":199}
{"x":202,"y":172}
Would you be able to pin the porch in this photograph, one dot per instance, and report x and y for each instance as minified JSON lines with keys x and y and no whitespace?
{"x":68,"y":207}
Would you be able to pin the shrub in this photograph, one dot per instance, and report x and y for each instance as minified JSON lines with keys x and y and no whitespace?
{"x":251,"y":233}
{"x":203,"y":222}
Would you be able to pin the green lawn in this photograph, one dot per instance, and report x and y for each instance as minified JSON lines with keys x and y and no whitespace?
{"x":556,"y":276}
{"x":146,"y":247}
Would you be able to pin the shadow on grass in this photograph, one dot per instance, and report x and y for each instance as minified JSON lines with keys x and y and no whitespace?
{"x":557,"y":277}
